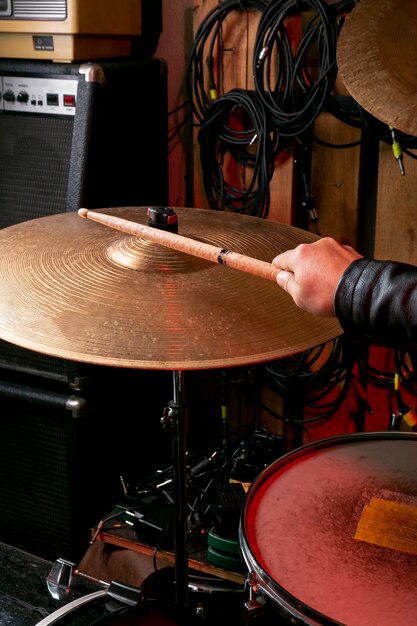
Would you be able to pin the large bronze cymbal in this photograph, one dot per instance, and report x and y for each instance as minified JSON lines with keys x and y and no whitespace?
{"x":377,"y":59}
{"x":76,"y":289}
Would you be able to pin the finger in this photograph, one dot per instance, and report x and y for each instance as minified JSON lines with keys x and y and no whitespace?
{"x":284,"y":260}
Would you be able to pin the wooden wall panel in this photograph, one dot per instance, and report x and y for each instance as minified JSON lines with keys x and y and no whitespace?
{"x":336,"y":175}
{"x":234,"y":71}
{"x":358,"y":202}
{"x":335,"y":180}
{"x":396,"y":226}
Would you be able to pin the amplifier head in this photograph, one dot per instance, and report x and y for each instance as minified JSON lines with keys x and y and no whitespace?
{"x":68,"y":30}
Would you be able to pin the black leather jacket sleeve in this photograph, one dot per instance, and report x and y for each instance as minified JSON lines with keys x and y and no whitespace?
{"x":378,"y":300}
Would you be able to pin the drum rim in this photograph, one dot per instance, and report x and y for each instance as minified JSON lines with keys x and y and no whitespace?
{"x":292,"y":605}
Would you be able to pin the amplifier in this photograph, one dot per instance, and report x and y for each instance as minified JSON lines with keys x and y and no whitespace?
{"x":68,"y":30}
{"x":74,"y":135}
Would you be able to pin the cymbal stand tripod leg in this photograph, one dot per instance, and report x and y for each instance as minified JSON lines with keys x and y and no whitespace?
{"x":174,"y":417}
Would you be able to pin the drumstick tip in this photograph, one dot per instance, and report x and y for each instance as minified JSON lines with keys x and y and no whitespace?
{"x":83,"y":212}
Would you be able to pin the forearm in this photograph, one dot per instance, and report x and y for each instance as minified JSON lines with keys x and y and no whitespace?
{"x":378,"y":299}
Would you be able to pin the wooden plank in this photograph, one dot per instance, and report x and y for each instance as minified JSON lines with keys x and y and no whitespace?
{"x":396,"y":229}
{"x":335,"y":175}
{"x":234,"y":52}
{"x":282,"y":190}
{"x":200,"y":9}
{"x":197,"y":561}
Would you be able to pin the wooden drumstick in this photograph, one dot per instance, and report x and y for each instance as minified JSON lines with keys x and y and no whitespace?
{"x":234,"y":260}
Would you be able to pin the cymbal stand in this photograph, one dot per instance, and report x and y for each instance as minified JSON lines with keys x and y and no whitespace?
{"x":174,"y":418}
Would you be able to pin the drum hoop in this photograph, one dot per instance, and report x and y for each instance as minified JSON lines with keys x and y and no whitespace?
{"x":294,"y":607}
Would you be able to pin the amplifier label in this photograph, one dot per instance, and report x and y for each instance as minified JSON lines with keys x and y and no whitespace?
{"x":53,"y":96}
{"x":43,"y":42}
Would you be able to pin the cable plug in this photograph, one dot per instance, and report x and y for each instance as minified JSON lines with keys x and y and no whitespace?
{"x":212,"y":83}
{"x":263,"y":53}
{"x":308,"y":203}
{"x":406,"y":412}
{"x":397,"y":151}
{"x":411,"y":419}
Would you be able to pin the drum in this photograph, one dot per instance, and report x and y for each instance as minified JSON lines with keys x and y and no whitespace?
{"x":317,"y":551}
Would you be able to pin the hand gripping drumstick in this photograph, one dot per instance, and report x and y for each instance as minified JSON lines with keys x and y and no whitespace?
{"x":237,"y":261}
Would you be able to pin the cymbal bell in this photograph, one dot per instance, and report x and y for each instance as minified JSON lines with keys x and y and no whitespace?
{"x":75,"y":289}
{"x":377,"y":59}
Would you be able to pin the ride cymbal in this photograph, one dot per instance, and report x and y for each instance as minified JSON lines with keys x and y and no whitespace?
{"x":76,"y":289}
{"x":377,"y":59}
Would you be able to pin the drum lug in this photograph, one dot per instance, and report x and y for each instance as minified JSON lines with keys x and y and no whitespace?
{"x":254,"y":603}
{"x":256,"y":609}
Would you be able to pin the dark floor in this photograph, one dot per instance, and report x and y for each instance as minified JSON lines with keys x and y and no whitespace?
{"x":26,"y":599}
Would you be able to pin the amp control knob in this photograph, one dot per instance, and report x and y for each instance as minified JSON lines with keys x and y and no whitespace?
{"x":23,"y":97}
{"x":9,"y":96}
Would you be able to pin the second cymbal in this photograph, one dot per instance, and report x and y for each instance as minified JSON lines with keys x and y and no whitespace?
{"x":377,"y":59}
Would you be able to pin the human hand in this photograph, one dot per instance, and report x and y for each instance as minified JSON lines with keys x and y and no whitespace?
{"x":310,"y":273}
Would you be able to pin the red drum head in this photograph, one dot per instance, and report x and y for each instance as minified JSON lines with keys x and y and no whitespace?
{"x":299,"y":524}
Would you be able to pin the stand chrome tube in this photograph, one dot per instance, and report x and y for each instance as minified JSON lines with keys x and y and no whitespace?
{"x":174,"y":416}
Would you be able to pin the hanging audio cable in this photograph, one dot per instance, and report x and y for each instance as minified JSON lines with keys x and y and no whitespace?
{"x":294,"y":80}
{"x":397,"y":150}
{"x":174,"y":132}
{"x":322,"y":376}
{"x":401,"y":143}
{"x":404,"y":411}
{"x":346,"y":110}
{"x":203,"y":84}
{"x":349,"y":112}
{"x":305,"y":200}
{"x":238,"y":146}
{"x":405,"y":376}
{"x":405,"y":364}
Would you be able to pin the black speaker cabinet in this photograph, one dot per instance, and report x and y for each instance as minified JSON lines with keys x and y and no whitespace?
{"x":75,"y":135}
{"x":62,"y":454}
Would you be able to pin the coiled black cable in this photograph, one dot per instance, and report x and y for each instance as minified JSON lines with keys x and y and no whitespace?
{"x":375,"y":376}
{"x":346,"y":110}
{"x":289,"y":86}
{"x":236,"y":134}
{"x":202,"y":84}
{"x":306,"y":376}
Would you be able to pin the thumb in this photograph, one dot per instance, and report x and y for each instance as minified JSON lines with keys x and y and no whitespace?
{"x":285,"y":280}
